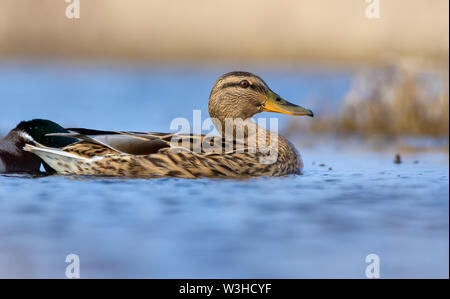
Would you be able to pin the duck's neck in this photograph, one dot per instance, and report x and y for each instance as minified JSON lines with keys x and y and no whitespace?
{"x":259,"y":138}
{"x":247,"y":134}
{"x":236,"y":128}
{"x":14,"y":141}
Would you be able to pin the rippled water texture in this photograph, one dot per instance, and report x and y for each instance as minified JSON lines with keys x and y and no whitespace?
{"x":350,"y":202}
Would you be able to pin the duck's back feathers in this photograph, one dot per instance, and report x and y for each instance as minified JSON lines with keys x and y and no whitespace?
{"x":132,"y":143}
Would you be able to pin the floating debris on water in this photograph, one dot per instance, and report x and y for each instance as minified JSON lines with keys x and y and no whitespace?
{"x":330,"y":168}
{"x":322,"y":165}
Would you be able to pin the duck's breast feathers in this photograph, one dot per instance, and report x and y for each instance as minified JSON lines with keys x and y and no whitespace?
{"x":14,"y":141}
{"x":13,"y":158}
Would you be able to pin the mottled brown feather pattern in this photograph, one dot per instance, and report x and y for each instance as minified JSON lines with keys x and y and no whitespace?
{"x":176,"y":157}
{"x":169,"y":163}
{"x":88,"y":149}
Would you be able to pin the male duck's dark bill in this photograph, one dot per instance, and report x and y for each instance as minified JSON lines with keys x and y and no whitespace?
{"x":275,"y":103}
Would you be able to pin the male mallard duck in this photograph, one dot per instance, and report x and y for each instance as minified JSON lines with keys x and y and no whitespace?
{"x":235,"y":95}
{"x":14,"y":159}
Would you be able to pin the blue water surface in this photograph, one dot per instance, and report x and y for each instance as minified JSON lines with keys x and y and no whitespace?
{"x":351,"y":201}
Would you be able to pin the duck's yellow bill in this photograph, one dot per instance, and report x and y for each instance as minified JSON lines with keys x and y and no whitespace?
{"x":277,"y":104}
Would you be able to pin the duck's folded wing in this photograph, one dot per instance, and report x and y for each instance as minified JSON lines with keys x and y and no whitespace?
{"x":138,"y":143}
{"x":132,"y":143}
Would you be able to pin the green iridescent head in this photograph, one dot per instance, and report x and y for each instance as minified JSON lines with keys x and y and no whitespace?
{"x":38,"y":128}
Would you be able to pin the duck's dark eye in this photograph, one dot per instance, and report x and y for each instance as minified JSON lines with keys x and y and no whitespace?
{"x":244,"y":84}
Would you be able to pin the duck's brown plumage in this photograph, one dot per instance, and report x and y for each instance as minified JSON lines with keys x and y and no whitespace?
{"x":133,"y":154}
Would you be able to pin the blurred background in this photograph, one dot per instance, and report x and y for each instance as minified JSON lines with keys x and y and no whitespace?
{"x":201,"y":29}
{"x":376,"y":152}
{"x":386,"y":75}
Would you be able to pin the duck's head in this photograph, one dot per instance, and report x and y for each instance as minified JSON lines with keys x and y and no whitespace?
{"x":12,"y":156}
{"x":243,"y":94}
{"x":39,"y":128}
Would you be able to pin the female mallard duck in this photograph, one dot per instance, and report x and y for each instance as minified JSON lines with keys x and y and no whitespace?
{"x":14,"y":160}
{"x":235,"y":96}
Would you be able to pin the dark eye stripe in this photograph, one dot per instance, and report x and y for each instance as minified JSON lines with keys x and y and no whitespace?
{"x":255,"y":86}
{"x":230,"y":84}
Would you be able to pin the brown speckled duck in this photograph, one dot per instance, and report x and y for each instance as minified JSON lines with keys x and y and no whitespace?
{"x":239,"y":152}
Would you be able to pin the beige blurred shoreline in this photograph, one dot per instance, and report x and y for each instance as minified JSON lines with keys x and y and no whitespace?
{"x":410,"y":38}
{"x":254,"y":30}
